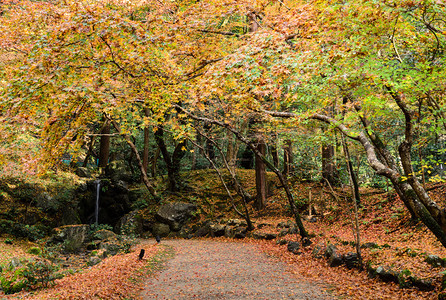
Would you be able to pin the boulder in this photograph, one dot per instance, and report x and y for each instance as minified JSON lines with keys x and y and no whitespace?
{"x":318,"y":251}
{"x":335,"y":260}
{"x":435,"y":261}
{"x":293,"y":247}
{"x":104,"y":235}
{"x":229,"y":231}
{"x":110,"y":248}
{"x":175,"y":212}
{"x":283,"y":232}
{"x":306,"y":242}
{"x":240,"y":233}
{"x":422,"y":284}
{"x":175,"y":226}
{"x":72,"y":236}
{"x":217,"y":230}
{"x":386,"y":274}
{"x":204,"y":230}
{"x":351,"y":260}
{"x":94,"y":260}
{"x":160,"y":229}
{"x":261,"y":225}
{"x":130,"y":224}
{"x":235,"y":222}
{"x":330,"y":250}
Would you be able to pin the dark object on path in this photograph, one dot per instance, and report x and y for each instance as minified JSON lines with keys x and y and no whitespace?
{"x":158,"y":239}
{"x":141,"y":254}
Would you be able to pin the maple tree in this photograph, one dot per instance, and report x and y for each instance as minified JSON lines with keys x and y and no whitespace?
{"x":377,"y":64}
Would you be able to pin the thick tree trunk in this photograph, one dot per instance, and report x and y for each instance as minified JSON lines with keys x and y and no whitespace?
{"x":328,"y":168}
{"x":231,"y":152}
{"x":275,"y":156}
{"x":260,"y":176}
{"x":172,"y":162}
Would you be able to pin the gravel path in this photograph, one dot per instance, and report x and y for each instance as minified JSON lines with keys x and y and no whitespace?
{"x":203,"y":269}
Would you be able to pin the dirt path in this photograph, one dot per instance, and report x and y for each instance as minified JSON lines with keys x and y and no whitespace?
{"x":203,"y":269}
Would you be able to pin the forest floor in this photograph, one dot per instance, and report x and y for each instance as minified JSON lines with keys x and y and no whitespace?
{"x":401,"y":244}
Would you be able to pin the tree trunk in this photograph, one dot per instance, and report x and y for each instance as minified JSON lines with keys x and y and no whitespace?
{"x":172,"y":162}
{"x":351,"y":173}
{"x":288,"y":158}
{"x":231,"y":152}
{"x":275,"y":156}
{"x":260,"y":176}
{"x":328,"y":172}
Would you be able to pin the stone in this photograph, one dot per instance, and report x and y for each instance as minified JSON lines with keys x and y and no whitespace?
{"x":104,"y":234}
{"x":293,"y":230}
{"x":283,"y":225}
{"x":240,"y":233}
{"x":351,"y":260}
{"x":283,"y":232}
{"x":229,"y":231}
{"x":335,"y":260}
{"x":94,"y":260}
{"x":317,"y":251}
{"x":435,"y":261}
{"x":204,"y":230}
{"x":72,"y":236}
{"x":330,"y":250}
{"x":264,"y":236}
{"x":270,"y":236}
{"x":234,"y":222}
{"x":422,"y":284}
{"x":15,"y":262}
{"x":110,"y":248}
{"x":217,"y":230}
{"x":386,"y":274}
{"x":282,"y":242}
{"x":175,"y":226}
{"x":369,"y":245}
{"x":173,"y":212}
{"x":293,"y":247}
{"x":130,"y":224}
{"x":160,"y":229}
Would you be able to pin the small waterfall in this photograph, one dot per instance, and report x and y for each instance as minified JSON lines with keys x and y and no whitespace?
{"x":96,"y":208}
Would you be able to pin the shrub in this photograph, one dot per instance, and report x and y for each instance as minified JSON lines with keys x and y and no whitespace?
{"x":12,"y":280}
{"x":35,"y":251}
{"x":28,"y":274}
{"x":40,"y":272}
